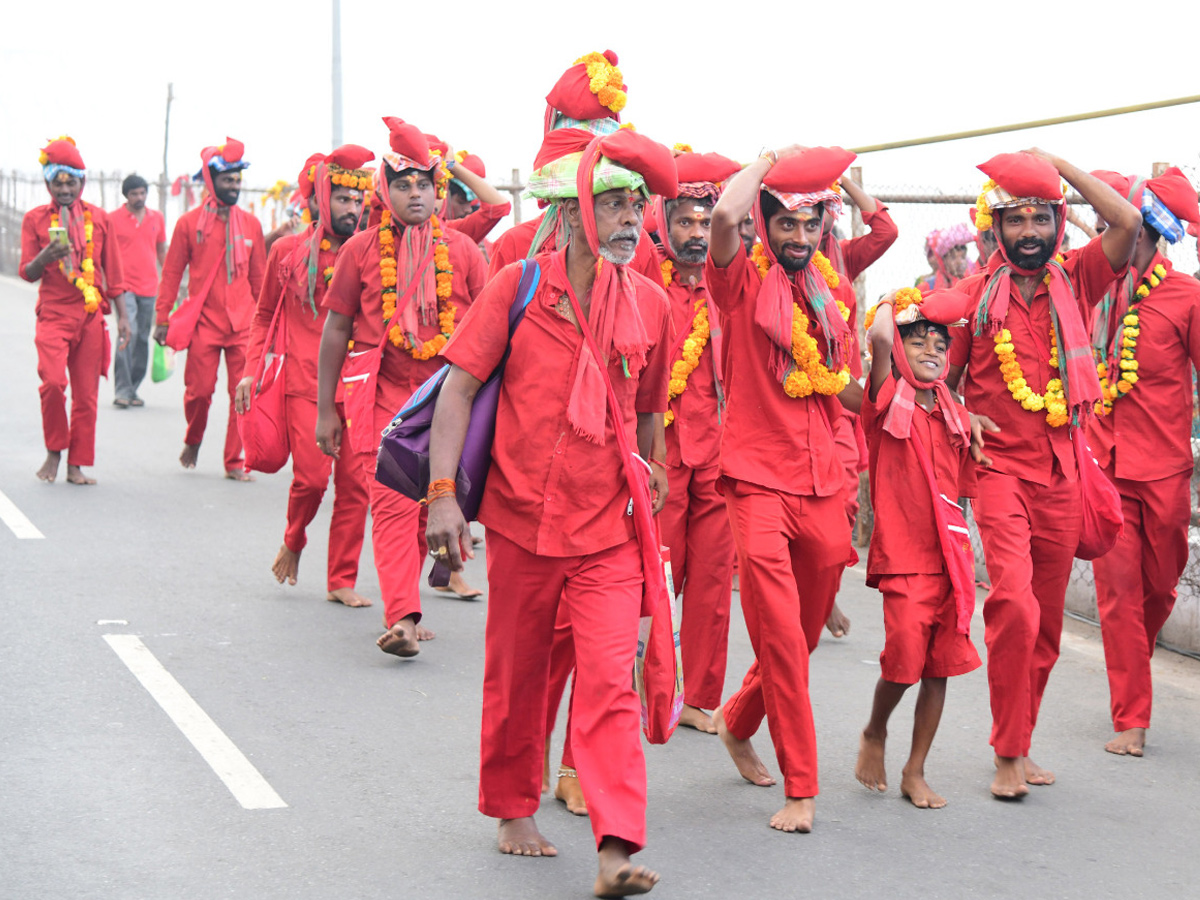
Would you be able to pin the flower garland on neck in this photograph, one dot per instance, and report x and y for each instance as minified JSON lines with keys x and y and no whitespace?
{"x":86,"y":280}
{"x":811,"y":374}
{"x":1053,"y":400}
{"x":693,"y":344}
{"x":1127,"y":358}
{"x":445,"y":285}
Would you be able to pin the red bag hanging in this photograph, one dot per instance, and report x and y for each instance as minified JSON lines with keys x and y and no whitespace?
{"x":183,"y":319}
{"x":1101,"y":503}
{"x":263,"y":426}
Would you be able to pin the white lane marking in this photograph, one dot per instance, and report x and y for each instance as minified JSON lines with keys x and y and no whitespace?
{"x":17,"y":521}
{"x":248,"y":787}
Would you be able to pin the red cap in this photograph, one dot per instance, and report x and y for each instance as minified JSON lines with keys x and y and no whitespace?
{"x":711,"y":168}
{"x":475,"y":164}
{"x":1177,"y":194}
{"x":437,"y":145}
{"x":558,"y":143}
{"x":572,"y":94}
{"x":812,"y":170}
{"x":308,"y":174}
{"x":407,"y":140}
{"x":650,"y":159}
{"x":946,"y":307}
{"x":63,"y":152}
{"x":1024,"y":175}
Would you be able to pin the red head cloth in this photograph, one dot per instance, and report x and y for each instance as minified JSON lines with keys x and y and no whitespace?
{"x":61,"y":155}
{"x":62,"y":152}
{"x":558,"y":143}
{"x":805,"y":179}
{"x":700,"y":176}
{"x":409,"y":145}
{"x":226,"y":157}
{"x":1025,"y":176}
{"x":474,"y":164}
{"x":614,"y":317}
{"x":593,"y":88}
{"x":308,"y":175}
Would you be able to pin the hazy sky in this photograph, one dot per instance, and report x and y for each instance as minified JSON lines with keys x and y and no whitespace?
{"x":477,"y":76}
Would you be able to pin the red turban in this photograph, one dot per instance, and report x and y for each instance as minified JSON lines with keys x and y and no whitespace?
{"x":705,"y":168}
{"x":810,"y":171}
{"x":1025,"y":176}
{"x":308,"y":174}
{"x":62,"y":152}
{"x":474,"y":164}
{"x":409,"y":144}
{"x":574,"y":96}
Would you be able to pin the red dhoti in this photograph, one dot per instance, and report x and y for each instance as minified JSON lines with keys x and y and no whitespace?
{"x":695,"y":526}
{"x":784,"y":541}
{"x":397,"y":536}
{"x":200,"y":381}
{"x":1135,"y":588}
{"x":602,"y":593}
{"x":71,"y":347}
{"x":1030,"y":534}
{"x":310,"y":478}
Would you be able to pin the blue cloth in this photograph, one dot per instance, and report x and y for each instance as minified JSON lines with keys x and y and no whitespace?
{"x":218,"y":163}
{"x":50,"y":171}
{"x":1160,"y":218}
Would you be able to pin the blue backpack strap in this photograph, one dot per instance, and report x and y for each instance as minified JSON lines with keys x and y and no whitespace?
{"x":531,"y":276}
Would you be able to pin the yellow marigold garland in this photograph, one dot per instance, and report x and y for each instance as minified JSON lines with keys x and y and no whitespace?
{"x":605,"y":81}
{"x":1053,"y":400}
{"x":905,"y":297}
{"x":693,"y":344}
{"x":1127,"y":361}
{"x":85,"y":280}
{"x":444,"y":278}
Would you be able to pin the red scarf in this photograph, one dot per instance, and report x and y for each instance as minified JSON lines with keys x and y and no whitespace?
{"x":237,"y":254}
{"x":71,"y":218}
{"x":898,"y":420}
{"x":414,"y":261}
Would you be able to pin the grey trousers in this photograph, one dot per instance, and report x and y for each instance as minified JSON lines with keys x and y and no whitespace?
{"x":130,"y":364}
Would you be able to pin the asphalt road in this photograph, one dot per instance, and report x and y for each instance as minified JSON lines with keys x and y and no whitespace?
{"x":102,"y":796}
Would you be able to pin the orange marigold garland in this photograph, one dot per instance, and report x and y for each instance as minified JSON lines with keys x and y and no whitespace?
{"x":693,"y":344}
{"x":811,"y":374}
{"x":905,"y":297}
{"x":85,"y":280}
{"x":1053,"y":400}
{"x":444,"y":278}
{"x":605,"y":81}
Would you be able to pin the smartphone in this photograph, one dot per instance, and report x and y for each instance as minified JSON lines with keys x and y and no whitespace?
{"x":59,"y":236}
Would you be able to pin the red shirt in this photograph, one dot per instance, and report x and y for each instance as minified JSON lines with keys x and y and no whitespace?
{"x":139,"y":243}
{"x":54,"y":286}
{"x":861,"y":252}
{"x":303,"y":326}
{"x":1148,"y":434}
{"x":356,"y":290}
{"x":229,"y":305}
{"x":1026,"y":446}
{"x":905,"y":539}
{"x":770,"y":439}
{"x":514,"y":244}
{"x":479,"y":224}
{"x":548,"y":489}
{"x":694,"y":437}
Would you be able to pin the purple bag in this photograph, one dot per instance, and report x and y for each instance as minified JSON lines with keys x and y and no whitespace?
{"x":403,"y":461}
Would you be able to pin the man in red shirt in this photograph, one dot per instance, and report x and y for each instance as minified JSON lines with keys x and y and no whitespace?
{"x":695,"y":524}
{"x":577,"y":108}
{"x":66,"y":247}
{"x":1029,"y":391}
{"x":222,"y":248}
{"x":141,"y":234}
{"x":948,"y":250}
{"x":299,"y":268}
{"x":399,"y":290}
{"x":557,"y":500}
{"x":785,"y":318}
{"x":1147,"y":336}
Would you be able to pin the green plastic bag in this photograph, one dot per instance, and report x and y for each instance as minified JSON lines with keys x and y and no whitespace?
{"x":163,"y":364}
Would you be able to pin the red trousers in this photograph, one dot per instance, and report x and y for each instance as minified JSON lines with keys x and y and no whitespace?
{"x":1030,"y":534}
{"x":784,"y":541}
{"x":602,"y":593}
{"x":310,"y":478}
{"x":397,"y":536}
{"x":695,"y":526}
{"x":1135,"y":588}
{"x":70,"y":349}
{"x":200,"y":381}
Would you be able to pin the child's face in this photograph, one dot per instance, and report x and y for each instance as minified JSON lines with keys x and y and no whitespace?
{"x":926,"y":355}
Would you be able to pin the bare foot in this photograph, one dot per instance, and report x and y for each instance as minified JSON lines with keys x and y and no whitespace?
{"x":569,"y":792}
{"x":915,"y":788}
{"x":870,"y":769}
{"x":1130,"y":742}
{"x":520,"y":837}
{"x":188,"y":457}
{"x":1009,"y":783}
{"x":1035,"y":774}
{"x":424,"y":634}
{"x":458,"y":585}
{"x":75,"y":476}
{"x":838,"y":622}
{"x":49,"y":470}
{"x":748,"y":764}
{"x":694,"y":717}
{"x":347,"y":596}
{"x":618,"y":877}
{"x":238,"y":475}
{"x":286,"y":565}
{"x":401,"y":639}
{"x":796,"y":816}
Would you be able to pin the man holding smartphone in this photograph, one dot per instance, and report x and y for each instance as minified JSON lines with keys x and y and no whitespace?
{"x":65,"y":248}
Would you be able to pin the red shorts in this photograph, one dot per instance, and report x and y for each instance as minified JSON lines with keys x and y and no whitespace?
{"x":920,"y":627}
